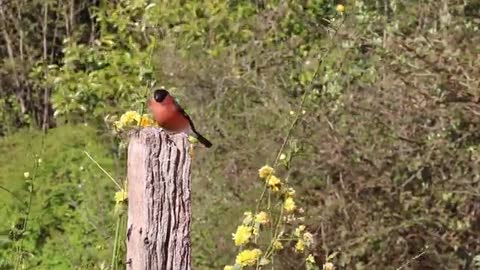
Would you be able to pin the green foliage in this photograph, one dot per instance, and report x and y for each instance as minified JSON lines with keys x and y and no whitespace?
{"x":113,"y":67}
{"x":71,"y":220}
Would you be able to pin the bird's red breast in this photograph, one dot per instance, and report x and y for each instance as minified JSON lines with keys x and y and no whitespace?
{"x":168,"y":115}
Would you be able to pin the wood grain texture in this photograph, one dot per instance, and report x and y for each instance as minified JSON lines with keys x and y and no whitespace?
{"x":159,"y":206}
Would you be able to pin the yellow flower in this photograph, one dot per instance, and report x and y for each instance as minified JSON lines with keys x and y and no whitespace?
{"x":300,"y":246}
{"x":328,"y":266}
{"x":265,"y":171}
{"x":274,"y":183}
{"x":145,"y":121}
{"x":228,"y":267}
{"x":118,"y":125}
{"x":262,"y":218}
{"x":242,"y":235}
{"x":26,"y":174}
{"x":277,"y":245}
{"x":120,"y":196}
{"x":289,"y":204}
{"x":340,"y":8}
{"x":310,"y":259}
{"x":248,"y":257}
{"x":282,"y":157}
{"x":128,"y":118}
{"x":299,"y":230}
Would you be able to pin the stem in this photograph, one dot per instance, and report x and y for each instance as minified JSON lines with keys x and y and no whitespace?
{"x":270,"y":249}
{"x":19,"y":247}
{"x":11,"y":193}
{"x":275,"y":234}
{"x":413,"y":259}
{"x":46,"y":93}
{"x":31,"y":190}
{"x":115,"y":244}
{"x":299,"y":110}
{"x":261,"y":197}
{"x":103,"y":170}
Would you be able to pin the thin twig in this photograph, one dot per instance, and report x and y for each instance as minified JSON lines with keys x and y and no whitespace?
{"x":11,"y":193}
{"x":413,"y":259}
{"x":31,"y":191}
{"x":103,"y":170}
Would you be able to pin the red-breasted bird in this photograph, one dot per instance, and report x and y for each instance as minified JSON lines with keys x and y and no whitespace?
{"x":170,"y":116}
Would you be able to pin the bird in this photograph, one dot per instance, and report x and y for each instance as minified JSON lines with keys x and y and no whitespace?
{"x":171,"y":116}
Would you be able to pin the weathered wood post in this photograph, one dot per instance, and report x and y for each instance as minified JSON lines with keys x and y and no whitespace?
{"x":159,"y":207}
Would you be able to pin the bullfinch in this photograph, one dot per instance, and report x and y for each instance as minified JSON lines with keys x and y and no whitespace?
{"x":170,"y":116}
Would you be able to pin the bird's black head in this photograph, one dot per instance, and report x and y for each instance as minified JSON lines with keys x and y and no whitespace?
{"x":160,"y":94}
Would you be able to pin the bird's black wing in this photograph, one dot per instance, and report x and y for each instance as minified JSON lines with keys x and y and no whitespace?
{"x":199,"y":136}
{"x":182,"y":111}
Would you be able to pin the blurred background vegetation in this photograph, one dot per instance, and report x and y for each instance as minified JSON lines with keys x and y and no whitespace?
{"x":385,"y":159}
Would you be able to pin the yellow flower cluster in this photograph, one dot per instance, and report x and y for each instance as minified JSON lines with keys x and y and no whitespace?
{"x":274,"y":183}
{"x":300,"y":246}
{"x":340,"y":8}
{"x":277,"y":245}
{"x":248,"y":257}
{"x":120,"y":196}
{"x":304,"y":238}
{"x":133,"y":118}
{"x":262,"y":218}
{"x":252,"y":224}
{"x":265,"y":171}
{"x":299,"y":230}
{"x":242,"y":235}
{"x":145,"y":121}
{"x":128,"y":118}
{"x":289,"y":205}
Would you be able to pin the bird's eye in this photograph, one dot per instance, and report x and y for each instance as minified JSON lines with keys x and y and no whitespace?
{"x":160,"y":94}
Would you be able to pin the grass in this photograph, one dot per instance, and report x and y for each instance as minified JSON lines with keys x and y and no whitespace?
{"x":71,"y":205}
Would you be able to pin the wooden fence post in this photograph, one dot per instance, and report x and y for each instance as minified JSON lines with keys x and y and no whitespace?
{"x":159,"y":207}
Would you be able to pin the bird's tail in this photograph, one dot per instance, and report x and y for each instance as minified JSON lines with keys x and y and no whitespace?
{"x":202,"y":139}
